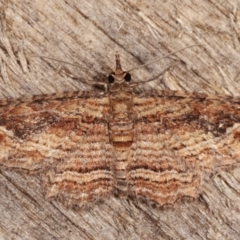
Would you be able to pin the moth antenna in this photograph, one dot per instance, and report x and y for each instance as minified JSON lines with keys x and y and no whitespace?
{"x":75,"y":65}
{"x":160,"y":76}
{"x":57,"y":60}
{"x":158,"y":59}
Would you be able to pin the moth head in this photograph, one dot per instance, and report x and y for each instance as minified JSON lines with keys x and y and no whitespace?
{"x":119,"y":75}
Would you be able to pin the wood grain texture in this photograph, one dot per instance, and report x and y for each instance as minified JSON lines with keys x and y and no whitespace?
{"x":90,"y":34}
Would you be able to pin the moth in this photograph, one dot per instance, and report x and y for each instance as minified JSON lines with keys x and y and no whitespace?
{"x":155,"y":146}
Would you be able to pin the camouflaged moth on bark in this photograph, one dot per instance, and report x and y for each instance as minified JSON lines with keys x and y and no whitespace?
{"x":156,"y":145}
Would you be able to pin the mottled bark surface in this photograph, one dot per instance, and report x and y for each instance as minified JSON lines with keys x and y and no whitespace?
{"x":89,"y":34}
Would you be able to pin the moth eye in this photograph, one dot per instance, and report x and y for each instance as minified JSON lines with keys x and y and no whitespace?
{"x":127,"y":77}
{"x":110,"y":78}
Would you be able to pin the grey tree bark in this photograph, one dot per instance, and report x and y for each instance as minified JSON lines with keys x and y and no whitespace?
{"x":89,"y":33}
